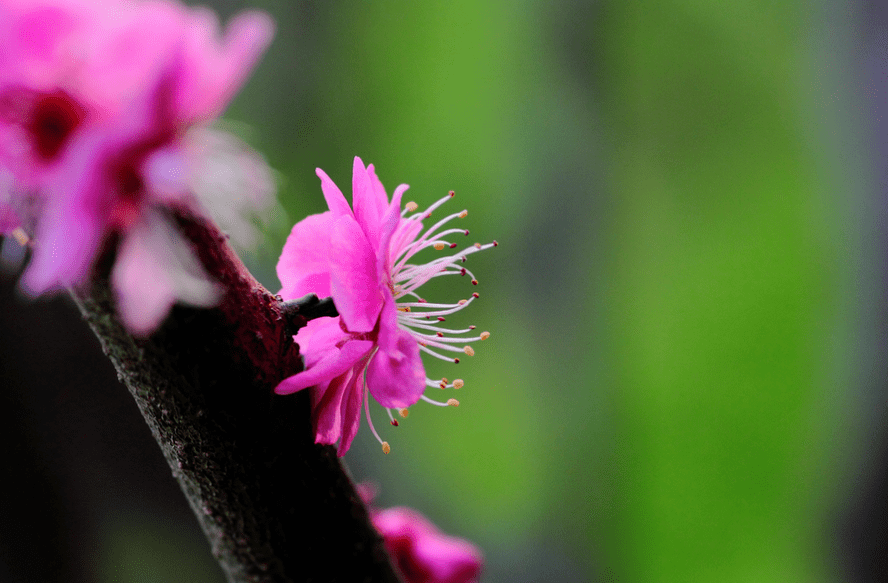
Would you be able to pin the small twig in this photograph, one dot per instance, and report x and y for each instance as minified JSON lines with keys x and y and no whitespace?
{"x":297,"y":313}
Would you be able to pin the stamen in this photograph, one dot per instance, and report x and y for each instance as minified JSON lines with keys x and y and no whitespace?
{"x":458,"y":383}
{"x":385,"y":445}
{"x":20,"y":236}
{"x":463,"y":214}
{"x":469,"y":350}
{"x":453,"y":402}
{"x":485,"y":335}
{"x":386,"y":448}
{"x":438,"y":403}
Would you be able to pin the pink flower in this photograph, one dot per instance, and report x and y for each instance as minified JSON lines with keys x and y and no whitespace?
{"x":362,"y":258}
{"x":422,"y":553}
{"x":97,"y":103}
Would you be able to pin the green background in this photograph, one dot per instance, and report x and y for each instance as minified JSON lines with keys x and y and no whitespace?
{"x":673,"y":386}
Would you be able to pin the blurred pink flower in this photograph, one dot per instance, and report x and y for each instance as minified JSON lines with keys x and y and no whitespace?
{"x":360,"y":257}
{"x":422,"y":553}
{"x":96,"y":102}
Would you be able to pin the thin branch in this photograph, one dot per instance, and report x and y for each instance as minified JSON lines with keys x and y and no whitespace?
{"x":275,"y":506}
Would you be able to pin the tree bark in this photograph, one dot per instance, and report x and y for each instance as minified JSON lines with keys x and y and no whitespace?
{"x":275,"y":506}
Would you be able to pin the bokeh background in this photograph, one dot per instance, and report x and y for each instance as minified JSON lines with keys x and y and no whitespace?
{"x":686,"y":379}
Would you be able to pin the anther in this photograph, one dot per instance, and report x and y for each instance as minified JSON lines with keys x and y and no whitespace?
{"x":453,"y":402}
{"x":20,"y":236}
{"x":438,"y":246}
{"x":474,"y":282}
{"x":472,"y":327}
{"x":463,"y":214}
{"x":440,"y":335}
{"x":455,"y":361}
{"x":469,"y":350}
{"x":451,"y":193}
{"x":386,"y":448}
{"x":404,"y":412}
{"x":442,"y":384}
{"x":467,"y":232}
{"x":453,"y":245}
{"x":477,"y":245}
{"x":495,"y":244}
{"x":411,"y":206}
{"x":485,"y":335}
{"x":462,"y":271}
{"x":404,"y":309}
{"x":462,"y":302}
{"x":476,"y":295}
{"x":458,"y":384}
{"x":394,"y":422}
{"x":441,"y":319}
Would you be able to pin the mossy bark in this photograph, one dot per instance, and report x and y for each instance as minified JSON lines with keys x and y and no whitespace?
{"x":275,"y":506}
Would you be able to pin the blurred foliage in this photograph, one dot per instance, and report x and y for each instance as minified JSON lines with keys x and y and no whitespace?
{"x":665,"y":395}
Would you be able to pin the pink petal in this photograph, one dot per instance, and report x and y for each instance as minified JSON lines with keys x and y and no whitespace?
{"x":335,"y":201}
{"x":304,"y":266}
{"x":396,"y":378}
{"x":390,"y":222}
{"x":354,"y":281}
{"x":329,"y":367}
{"x":368,"y":200}
{"x":351,"y":410}
{"x":326,"y":411}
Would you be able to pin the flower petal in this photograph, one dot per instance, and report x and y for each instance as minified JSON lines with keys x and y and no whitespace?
{"x":369,"y":200}
{"x":395,"y":376}
{"x":326,"y":410}
{"x":351,"y":410}
{"x":329,"y":367}
{"x":335,"y":201}
{"x":304,"y":266}
{"x":354,"y":280}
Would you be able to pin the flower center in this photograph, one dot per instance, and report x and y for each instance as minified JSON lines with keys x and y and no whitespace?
{"x":54,"y":117}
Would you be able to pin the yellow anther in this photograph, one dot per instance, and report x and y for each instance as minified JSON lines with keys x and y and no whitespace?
{"x":20,"y":236}
{"x":404,"y":309}
{"x":477,"y":245}
{"x":458,"y":384}
{"x":469,"y":350}
{"x":386,"y":448}
{"x":485,"y":335}
{"x":438,"y":246}
{"x":411,"y":206}
{"x":453,"y":402}
{"x":404,"y":412}
{"x":463,"y":214}
{"x":462,"y":302}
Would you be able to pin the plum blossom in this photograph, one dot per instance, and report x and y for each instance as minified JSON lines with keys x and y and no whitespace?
{"x":364,"y":258}
{"x":102,"y":103}
{"x":421,"y":552}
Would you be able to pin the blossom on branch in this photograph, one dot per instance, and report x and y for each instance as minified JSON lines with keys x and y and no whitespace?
{"x":422,"y":553}
{"x":102,"y":104}
{"x":364,"y":257}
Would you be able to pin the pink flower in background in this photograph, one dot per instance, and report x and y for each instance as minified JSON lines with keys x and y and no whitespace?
{"x":97,"y":103}
{"x":422,"y":553}
{"x":361,"y":257}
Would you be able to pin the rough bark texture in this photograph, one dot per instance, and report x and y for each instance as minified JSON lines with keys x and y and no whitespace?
{"x":275,"y":506}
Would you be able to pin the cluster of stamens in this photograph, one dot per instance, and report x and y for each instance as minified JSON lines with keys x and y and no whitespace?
{"x":422,"y":319}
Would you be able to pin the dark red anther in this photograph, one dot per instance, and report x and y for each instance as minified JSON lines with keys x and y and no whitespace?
{"x":440,"y":335}
{"x":455,"y":361}
{"x":495,"y":243}
{"x":395,"y":422}
{"x":467,"y":232}
{"x":441,"y":318}
{"x":451,"y":193}
{"x":453,"y":245}
{"x":475,"y":295}
{"x":474,"y":282}
{"x":462,"y":271}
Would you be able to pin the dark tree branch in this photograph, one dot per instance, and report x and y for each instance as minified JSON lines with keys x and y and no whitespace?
{"x":275,"y":506}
